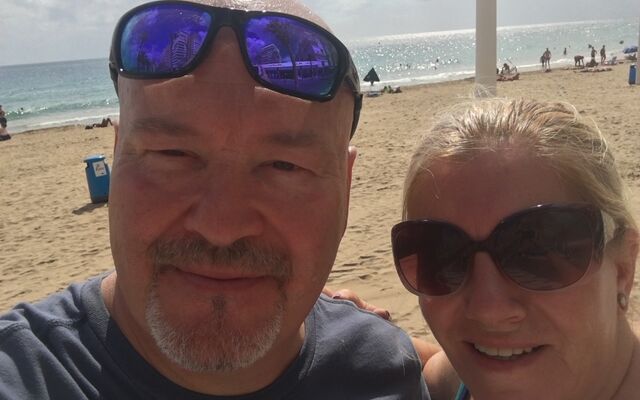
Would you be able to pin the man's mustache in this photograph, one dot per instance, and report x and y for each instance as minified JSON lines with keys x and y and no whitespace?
{"x":241,"y":256}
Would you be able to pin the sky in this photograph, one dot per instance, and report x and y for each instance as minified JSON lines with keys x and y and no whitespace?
{"x":35,"y":31}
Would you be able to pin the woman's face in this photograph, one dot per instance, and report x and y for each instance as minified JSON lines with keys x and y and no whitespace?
{"x":554,"y":345}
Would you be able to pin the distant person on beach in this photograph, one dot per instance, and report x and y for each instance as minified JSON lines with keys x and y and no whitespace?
{"x":593,"y":55}
{"x":103,"y":124}
{"x":564,"y":53}
{"x":521,"y":246}
{"x":3,"y":117}
{"x":603,"y":55}
{"x":546,"y":60}
{"x":507,"y":73}
{"x":4,"y":135}
{"x":225,"y":217}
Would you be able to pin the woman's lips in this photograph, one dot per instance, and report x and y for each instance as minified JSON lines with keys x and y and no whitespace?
{"x":505,"y":357}
{"x":503,"y":352}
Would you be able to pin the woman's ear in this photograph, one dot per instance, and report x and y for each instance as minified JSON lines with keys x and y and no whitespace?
{"x":626,"y":253}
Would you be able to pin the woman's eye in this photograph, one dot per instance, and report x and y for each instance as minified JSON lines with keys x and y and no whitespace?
{"x":284,"y":166}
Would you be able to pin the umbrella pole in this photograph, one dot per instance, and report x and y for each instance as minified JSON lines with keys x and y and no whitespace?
{"x":486,"y":45}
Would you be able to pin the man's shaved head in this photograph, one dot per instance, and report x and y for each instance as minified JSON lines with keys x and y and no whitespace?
{"x":291,"y":7}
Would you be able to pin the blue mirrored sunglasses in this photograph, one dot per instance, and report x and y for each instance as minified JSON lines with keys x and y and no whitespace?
{"x":287,"y":54}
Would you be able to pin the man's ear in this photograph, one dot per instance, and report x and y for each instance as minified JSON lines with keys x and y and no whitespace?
{"x":352,"y":154}
{"x":116,"y":129}
{"x":625,"y":260}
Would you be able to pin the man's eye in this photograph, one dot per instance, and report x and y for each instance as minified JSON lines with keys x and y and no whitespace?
{"x":284,"y":166}
{"x":172,"y":153}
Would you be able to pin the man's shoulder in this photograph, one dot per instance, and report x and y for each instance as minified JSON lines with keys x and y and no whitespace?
{"x":43,"y":349}
{"x":361,"y":354}
{"x":341,"y":321}
{"x":36,"y":322}
{"x":346,"y":314}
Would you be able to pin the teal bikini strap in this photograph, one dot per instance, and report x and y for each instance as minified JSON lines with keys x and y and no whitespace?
{"x":463,"y":393}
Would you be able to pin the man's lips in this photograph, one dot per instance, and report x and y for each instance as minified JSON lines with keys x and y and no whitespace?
{"x":217,"y":280}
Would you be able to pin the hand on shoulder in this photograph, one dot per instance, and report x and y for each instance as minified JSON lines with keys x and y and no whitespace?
{"x":348,"y":294}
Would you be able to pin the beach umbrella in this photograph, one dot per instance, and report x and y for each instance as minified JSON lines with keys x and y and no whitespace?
{"x":630,"y":49}
{"x":372,"y":76}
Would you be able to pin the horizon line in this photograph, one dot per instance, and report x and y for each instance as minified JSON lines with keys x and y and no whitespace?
{"x":358,"y":40}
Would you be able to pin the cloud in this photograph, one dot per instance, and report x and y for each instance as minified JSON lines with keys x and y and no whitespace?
{"x":54,"y":30}
{"x":336,"y":6}
{"x":361,"y":18}
{"x":352,"y":19}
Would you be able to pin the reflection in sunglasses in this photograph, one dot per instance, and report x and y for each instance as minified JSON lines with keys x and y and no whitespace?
{"x":287,"y":53}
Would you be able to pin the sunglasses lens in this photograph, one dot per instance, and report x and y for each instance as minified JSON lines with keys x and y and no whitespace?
{"x":163,"y":39}
{"x":546,"y":249}
{"x":430,"y":256}
{"x":288,"y":54}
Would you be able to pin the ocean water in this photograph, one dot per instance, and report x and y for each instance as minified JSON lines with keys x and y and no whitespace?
{"x":440,"y":56}
{"x":53,"y":94}
{"x":80,"y":92}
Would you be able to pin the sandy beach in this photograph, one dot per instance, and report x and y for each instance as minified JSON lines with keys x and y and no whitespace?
{"x":51,"y":235}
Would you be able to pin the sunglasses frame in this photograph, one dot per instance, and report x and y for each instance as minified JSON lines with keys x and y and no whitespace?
{"x":487,"y":245}
{"x":237,"y":19}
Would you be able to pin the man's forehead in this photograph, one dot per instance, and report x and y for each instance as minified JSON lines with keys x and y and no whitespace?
{"x":291,"y":7}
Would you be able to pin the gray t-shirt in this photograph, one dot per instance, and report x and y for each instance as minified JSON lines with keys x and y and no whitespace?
{"x":67,"y":347}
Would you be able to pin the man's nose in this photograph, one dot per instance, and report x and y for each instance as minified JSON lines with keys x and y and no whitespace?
{"x":226,"y":208}
{"x":490,"y":299}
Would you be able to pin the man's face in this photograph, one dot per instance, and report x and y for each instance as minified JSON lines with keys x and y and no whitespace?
{"x":227,"y":205}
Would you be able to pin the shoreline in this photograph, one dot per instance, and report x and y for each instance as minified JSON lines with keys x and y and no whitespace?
{"x":51,"y":235}
{"x":81,"y":121}
{"x":78,"y":122}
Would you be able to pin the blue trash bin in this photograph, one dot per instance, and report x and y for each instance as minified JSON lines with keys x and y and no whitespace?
{"x":632,"y":74}
{"x":98,"y":178}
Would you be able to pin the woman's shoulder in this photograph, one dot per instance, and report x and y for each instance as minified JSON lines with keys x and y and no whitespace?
{"x":442,"y":380}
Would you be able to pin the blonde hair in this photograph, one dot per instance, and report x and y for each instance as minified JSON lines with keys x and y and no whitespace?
{"x":554,"y":132}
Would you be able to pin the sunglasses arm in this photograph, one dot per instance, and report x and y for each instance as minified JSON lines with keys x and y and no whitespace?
{"x":356,"y":113}
{"x":113,"y":72}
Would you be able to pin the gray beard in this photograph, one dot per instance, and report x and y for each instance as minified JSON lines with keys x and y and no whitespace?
{"x":212,"y":343}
